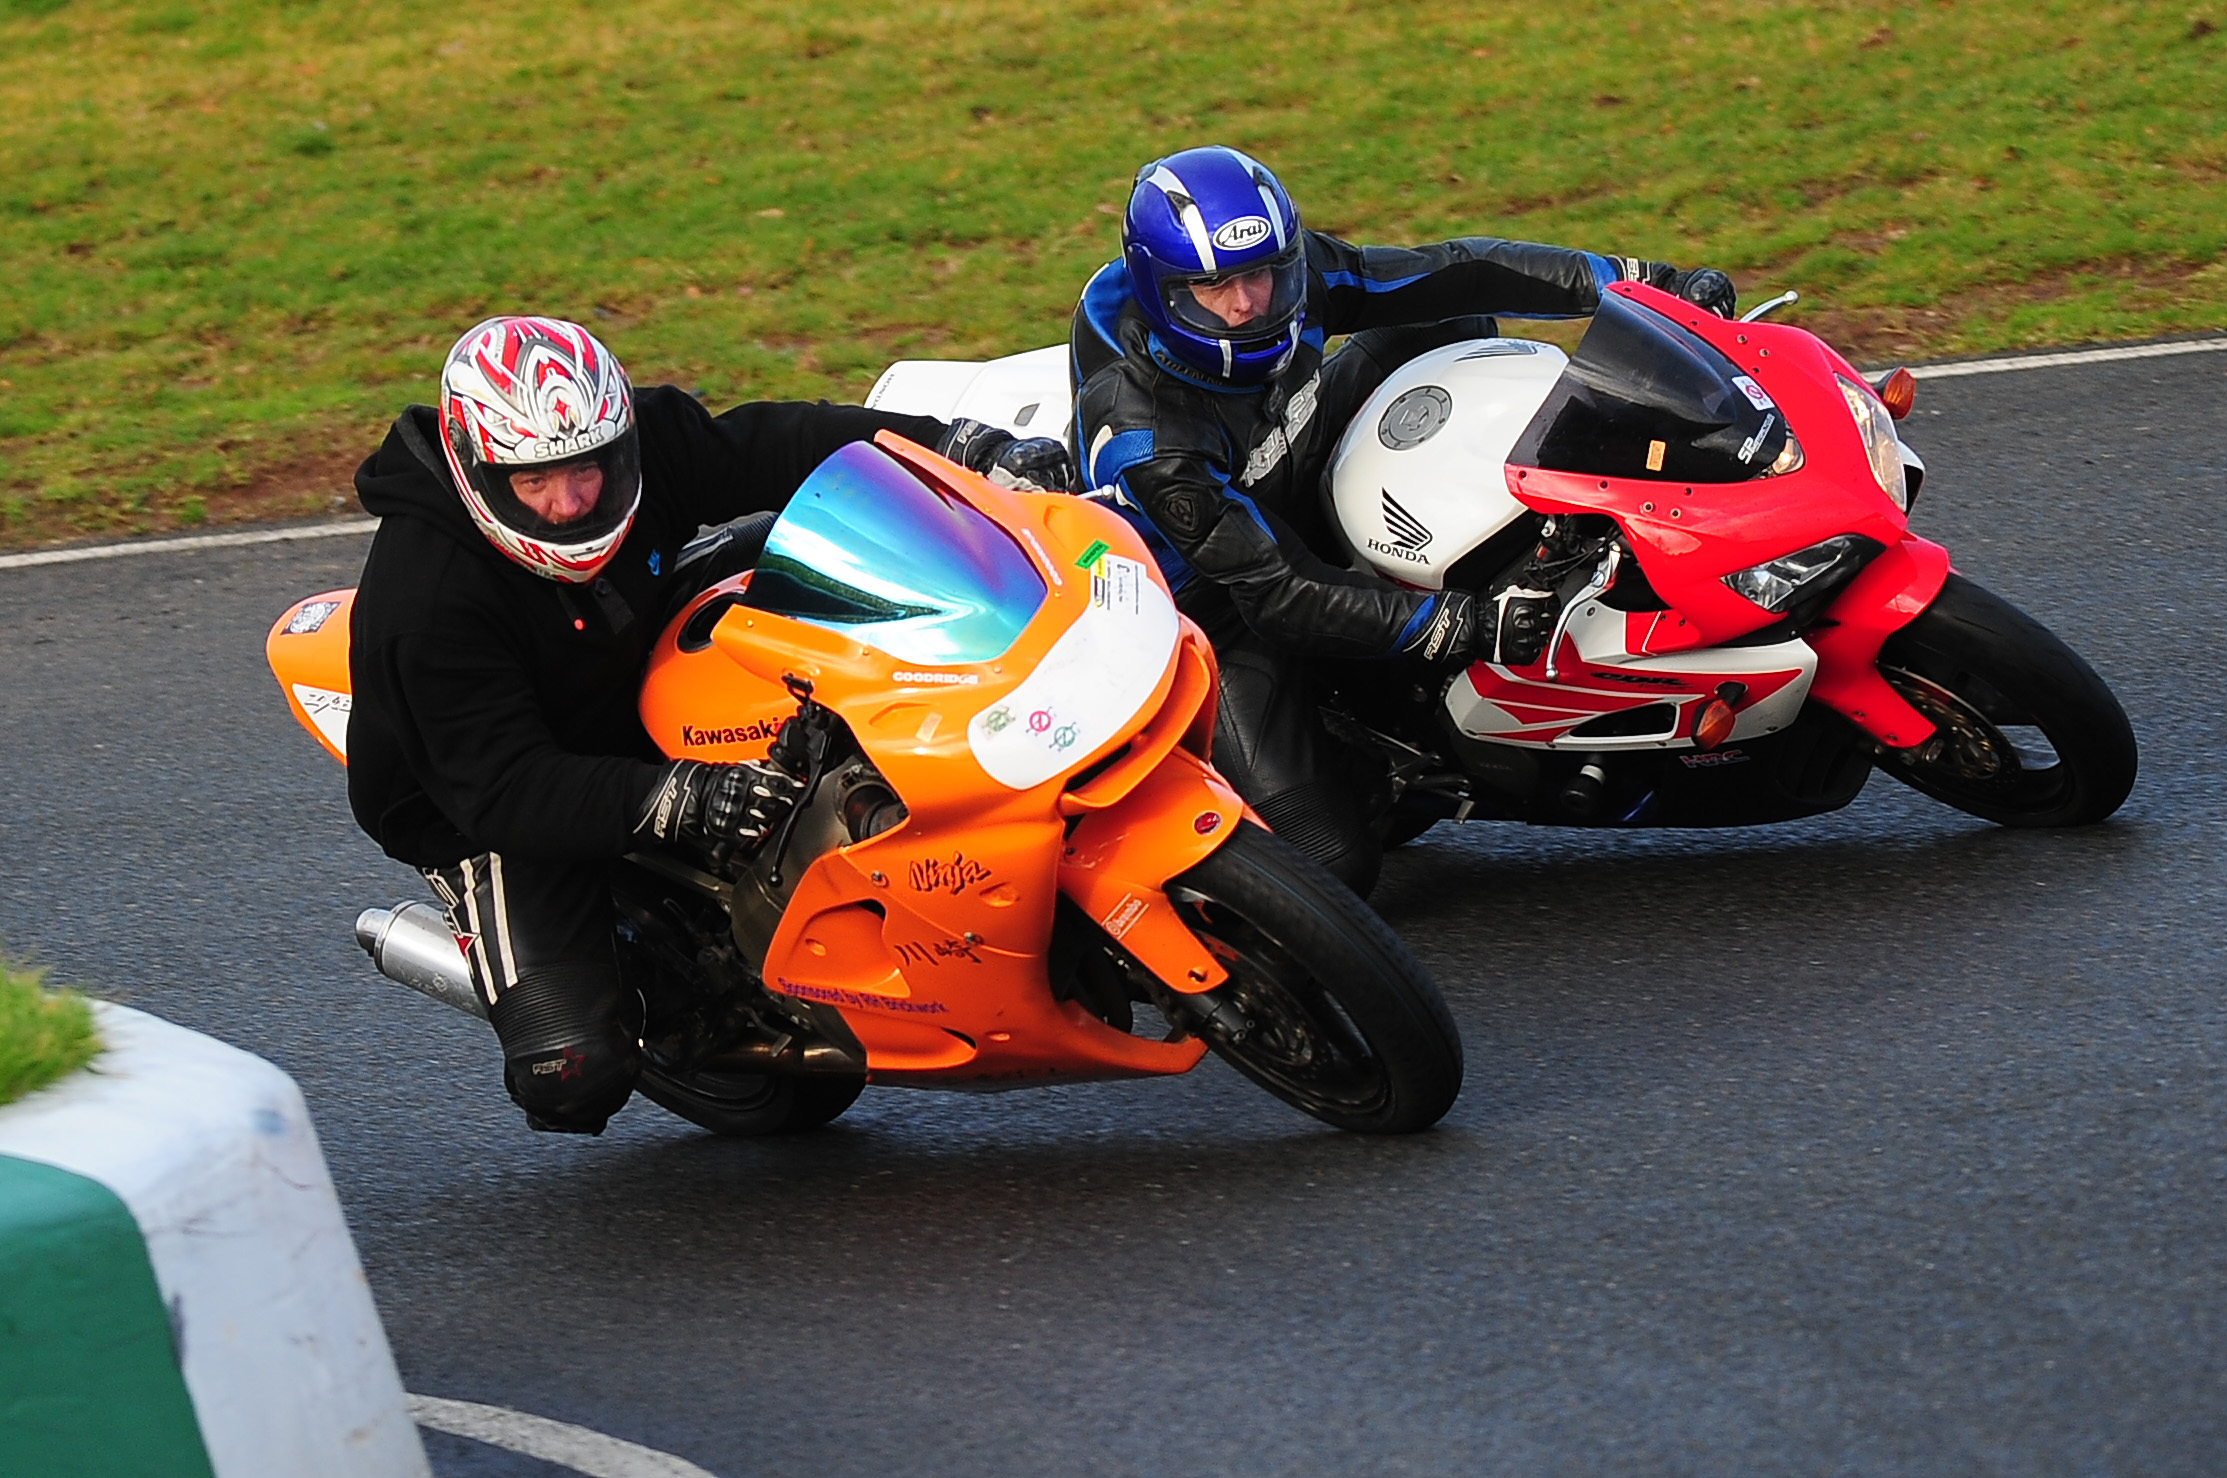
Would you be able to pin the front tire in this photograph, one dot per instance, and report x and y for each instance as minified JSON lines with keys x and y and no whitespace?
{"x":1324,"y":1007}
{"x":1991,"y":677}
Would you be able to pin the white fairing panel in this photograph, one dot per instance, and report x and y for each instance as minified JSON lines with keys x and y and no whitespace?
{"x":1417,"y":479}
{"x":1095,"y":678}
{"x":1027,"y":394}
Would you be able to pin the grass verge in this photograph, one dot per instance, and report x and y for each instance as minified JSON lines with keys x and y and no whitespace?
{"x":44,"y":1034}
{"x":239,"y":234}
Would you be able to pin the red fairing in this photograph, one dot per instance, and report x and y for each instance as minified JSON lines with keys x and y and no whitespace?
{"x":1687,"y":537}
{"x":1886,"y":597}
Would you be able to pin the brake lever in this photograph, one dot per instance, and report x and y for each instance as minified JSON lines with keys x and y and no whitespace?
{"x":1602,"y":579}
{"x":1769,"y":304}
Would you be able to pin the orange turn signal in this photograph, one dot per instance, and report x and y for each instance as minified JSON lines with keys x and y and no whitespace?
{"x":1898,"y":392}
{"x":1714,"y":726}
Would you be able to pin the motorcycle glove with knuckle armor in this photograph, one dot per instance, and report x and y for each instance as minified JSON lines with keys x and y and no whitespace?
{"x":704,"y":803}
{"x":1031,"y":464}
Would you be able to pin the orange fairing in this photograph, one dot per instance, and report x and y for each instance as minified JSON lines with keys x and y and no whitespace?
{"x":698,"y":705}
{"x":308,"y":653}
{"x":932,"y":937}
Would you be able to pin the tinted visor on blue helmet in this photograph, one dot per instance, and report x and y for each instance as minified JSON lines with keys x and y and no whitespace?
{"x":1248,"y":306}
{"x":1216,"y":262}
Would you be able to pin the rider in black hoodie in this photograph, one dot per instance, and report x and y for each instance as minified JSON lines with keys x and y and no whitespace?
{"x":529,"y":533}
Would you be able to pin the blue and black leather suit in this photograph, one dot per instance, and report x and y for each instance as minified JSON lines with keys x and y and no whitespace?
{"x":1225,"y":483}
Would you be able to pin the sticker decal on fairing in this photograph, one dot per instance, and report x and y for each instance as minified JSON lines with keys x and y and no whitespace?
{"x":1409,"y":534}
{"x":328,"y":710}
{"x":1091,"y":683}
{"x":1757,"y":396}
{"x":311,"y":617}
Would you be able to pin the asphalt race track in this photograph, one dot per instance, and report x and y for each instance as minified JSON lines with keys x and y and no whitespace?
{"x":1890,"y":1142}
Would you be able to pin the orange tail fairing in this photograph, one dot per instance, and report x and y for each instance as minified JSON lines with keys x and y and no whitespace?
{"x":932,"y":938}
{"x":308,"y":652}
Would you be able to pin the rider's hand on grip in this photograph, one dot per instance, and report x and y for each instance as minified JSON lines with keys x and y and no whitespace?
{"x":1035,"y":464}
{"x":709,"y":804}
{"x":1706,"y":287}
{"x":1451,"y":632}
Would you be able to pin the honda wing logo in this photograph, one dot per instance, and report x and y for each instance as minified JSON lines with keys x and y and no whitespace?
{"x":1409,"y":537}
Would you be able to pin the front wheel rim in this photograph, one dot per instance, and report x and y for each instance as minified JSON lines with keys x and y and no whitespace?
{"x":1969,"y":756}
{"x":1299,"y":1040}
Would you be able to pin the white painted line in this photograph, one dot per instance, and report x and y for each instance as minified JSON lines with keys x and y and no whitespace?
{"x":191,"y":541}
{"x":2070,"y":356}
{"x":577,"y":1448}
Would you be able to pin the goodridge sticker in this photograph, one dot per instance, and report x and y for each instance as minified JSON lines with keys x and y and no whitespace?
{"x":1091,"y":683}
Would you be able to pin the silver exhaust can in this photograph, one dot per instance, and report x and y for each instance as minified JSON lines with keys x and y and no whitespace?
{"x":411,"y":944}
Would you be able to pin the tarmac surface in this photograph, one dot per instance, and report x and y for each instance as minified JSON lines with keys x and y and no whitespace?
{"x":1885,"y":1142}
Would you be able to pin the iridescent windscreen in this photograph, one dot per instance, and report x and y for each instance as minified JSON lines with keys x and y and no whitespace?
{"x":870,"y":550}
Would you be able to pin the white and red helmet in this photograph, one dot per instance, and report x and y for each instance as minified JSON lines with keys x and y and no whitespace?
{"x":520,"y":394}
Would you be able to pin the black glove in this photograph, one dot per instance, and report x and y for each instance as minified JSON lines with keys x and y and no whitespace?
{"x":1706,"y":287}
{"x":1521,"y":620}
{"x":1034,"y":464}
{"x":708,"y":804}
{"x":1451,"y":633}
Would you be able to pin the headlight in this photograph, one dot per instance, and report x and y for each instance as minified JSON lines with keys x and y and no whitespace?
{"x":1880,"y":442}
{"x":1789,"y":458}
{"x":1774,"y":585}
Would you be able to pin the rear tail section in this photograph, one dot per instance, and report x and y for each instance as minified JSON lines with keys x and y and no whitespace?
{"x":308,"y":653}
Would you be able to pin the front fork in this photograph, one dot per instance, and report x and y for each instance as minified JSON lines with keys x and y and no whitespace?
{"x":1888,"y":595}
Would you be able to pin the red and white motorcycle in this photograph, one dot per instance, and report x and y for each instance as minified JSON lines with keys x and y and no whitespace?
{"x":1708,"y":608}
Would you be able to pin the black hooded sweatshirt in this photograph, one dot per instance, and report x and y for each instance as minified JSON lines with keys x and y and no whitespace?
{"x":494,"y":709}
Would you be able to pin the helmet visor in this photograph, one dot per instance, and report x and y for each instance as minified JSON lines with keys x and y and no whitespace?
{"x":571,"y":500}
{"x":1256,"y":301}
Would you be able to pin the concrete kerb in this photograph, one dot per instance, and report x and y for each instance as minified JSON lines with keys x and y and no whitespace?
{"x":257,"y":1305}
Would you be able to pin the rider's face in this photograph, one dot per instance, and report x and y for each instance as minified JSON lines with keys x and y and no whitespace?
{"x":1237,"y":299}
{"x":559,"y":495}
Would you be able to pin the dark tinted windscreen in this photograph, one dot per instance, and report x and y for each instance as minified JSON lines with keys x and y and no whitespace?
{"x":1644,"y":397}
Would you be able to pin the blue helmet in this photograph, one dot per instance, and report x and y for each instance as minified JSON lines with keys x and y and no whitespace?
{"x":1215,"y":261}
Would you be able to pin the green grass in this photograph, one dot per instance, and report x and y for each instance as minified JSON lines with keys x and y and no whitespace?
{"x":44,"y":1034}
{"x":238,"y":235}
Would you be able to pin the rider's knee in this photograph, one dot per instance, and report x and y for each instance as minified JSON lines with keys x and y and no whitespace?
{"x":1323,"y":822}
{"x":568,"y":1059}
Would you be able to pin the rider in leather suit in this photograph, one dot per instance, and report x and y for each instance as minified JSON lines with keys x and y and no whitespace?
{"x":531,"y":531}
{"x":1204,"y":402}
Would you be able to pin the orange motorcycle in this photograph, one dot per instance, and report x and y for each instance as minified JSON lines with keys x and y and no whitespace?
{"x":1010,"y":839}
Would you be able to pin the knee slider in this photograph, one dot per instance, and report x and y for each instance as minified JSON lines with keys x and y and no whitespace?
{"x":568,"y":1060}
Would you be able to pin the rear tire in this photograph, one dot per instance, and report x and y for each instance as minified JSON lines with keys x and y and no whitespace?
{"x":750,"y":1105}
{"x":1977,"y":666}
{"x":1325,"y":1008}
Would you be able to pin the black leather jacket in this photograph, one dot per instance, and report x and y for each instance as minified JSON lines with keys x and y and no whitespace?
{"x":494,"y":709}
{"x":1222,"y":482}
